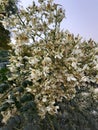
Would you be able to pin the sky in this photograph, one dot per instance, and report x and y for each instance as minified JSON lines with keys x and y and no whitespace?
{"x":81,"y":17}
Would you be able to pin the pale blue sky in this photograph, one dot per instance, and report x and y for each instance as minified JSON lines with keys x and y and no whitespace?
{"x":81,"y":17}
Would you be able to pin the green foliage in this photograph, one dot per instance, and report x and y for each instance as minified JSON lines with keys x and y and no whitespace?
{"x":4,"y":38}
{"x":11,"y":7}
{"x":3,"y":62}
{"x":3,"y":76}
{"x":3,"y":87}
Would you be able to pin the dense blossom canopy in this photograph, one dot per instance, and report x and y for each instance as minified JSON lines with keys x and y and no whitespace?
{"x":55,"y":61}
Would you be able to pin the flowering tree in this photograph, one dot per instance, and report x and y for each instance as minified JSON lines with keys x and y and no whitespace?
{"x":45,"y":61}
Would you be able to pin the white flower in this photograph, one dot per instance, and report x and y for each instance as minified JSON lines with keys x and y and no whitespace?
{"x":56,"y":109}
{"x":45,"y":70}
{"x":95,"y":91}
{"x":84,"y":78}
{"x":96,"y":67}
{"x":95,"y":94}
{"x":77,"y":51}
{"x":44,"y":99}
{"x":74,"y":64}
{"x":71,"y":78}
{"x":48,"y":108}
{"x":12,"y":68}
{"x":26,"y":57}
{"x":59,"y":56}
{"x":96,"y":49}
{"x":33,"y":61}
{"x":17,"y":52}
{"x":46,"y":60}
{"x":28,"y":89}
{"x":18,"y":64}
{"x":85,"y":67}
{"x":85,"y":94}
{"x":96,"y":77}
{"x":35,"y":74}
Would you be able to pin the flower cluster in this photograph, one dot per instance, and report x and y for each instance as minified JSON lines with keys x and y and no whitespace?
{"x":56,"y":62}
